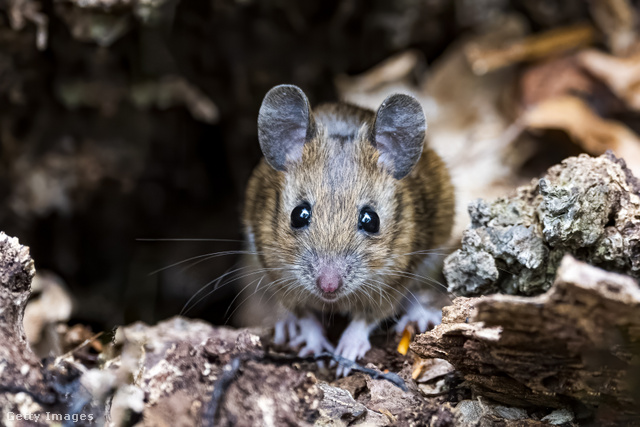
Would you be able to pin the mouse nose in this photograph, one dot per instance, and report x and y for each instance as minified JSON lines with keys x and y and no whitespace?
{"x":329,"y":280}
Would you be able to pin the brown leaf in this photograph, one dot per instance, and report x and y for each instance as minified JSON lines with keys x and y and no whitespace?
{"x":592,"y":132}
{"x":622,"y":75}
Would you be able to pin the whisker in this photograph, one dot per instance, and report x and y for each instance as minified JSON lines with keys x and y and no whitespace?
{"x":244,"y":300}
{"x":216,"y":280}
{"x":188,"y":240}
{"x":408,"y":293}
{"x":237,"y":295}
{"x":423,"y":253}
{"x":207,"y":256}
{"x":187,"y":308}
{"x":414,"y":276}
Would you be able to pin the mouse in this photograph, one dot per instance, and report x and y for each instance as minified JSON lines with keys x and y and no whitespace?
{"x":339,"y":214}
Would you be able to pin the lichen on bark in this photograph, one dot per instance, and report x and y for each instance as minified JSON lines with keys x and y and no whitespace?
{"x":588,"y":207}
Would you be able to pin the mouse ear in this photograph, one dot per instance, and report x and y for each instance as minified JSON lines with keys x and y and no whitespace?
{"x":284,"y":122}
{"x":398,"y":133}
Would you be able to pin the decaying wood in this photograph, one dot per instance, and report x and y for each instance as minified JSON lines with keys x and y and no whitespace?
{"x":38,"y":393}
{"x":589,"y":207}
{"x":21,"y":372}
{"x":576,"y":346}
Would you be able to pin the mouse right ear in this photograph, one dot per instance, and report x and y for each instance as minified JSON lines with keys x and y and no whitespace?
{"x":398,"y":133}
{"x":284,"y":124}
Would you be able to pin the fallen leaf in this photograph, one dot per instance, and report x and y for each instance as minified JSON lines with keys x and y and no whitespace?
{"x":617,"y":21}
{"x":403,"y":346}
{"x":622,"y":75}
{"x":425,"y":370}
{"x":592,"y":132}
{"x":484,"y":60}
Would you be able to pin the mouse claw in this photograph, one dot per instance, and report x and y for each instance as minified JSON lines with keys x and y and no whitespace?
{"x":354,"y":344}
{"x":279,"y":334}
{"x":423,"y":318}
{"x":311,"y":336}
{"x":285,"y":330}
{"x":351,"y":351}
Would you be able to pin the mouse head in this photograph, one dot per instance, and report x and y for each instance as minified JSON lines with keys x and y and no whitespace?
{"x":342,"y":225}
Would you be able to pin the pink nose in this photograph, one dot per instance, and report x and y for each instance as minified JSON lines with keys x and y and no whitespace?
{"x":329,"y":280}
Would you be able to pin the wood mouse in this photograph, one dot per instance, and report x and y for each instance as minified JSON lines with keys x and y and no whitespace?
{"x":339,"y":213}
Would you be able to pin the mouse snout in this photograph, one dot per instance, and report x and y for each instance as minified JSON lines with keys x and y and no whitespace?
{"x":329,"y":279}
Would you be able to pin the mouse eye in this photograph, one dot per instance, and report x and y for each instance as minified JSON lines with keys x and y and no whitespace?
{"x":301,"y":215}
{"x":369,"y":220}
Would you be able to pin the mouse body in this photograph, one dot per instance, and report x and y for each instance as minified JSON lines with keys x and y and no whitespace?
{"x":340,"y":212}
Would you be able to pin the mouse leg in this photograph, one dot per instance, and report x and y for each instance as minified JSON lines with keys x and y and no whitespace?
{"x":286,"y":329}
{"x":305,"y":331}
{"x":422,"y":313}
{"x":354,"y":343}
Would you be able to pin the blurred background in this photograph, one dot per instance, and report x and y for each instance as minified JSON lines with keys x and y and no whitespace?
{"x":123,"y":120}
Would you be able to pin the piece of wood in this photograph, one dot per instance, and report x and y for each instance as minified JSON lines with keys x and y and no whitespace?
{"x":577,"y":345}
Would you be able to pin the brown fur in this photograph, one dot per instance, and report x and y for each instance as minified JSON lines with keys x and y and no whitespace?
{"x":338,"y":175}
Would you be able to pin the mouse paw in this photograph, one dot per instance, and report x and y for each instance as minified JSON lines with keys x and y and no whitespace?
{"x":354,"y":344}
{"x":421,"y":316}
{"x":311,"y":336}
{"x":285,"y":330}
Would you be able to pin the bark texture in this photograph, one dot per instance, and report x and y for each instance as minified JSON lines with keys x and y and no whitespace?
{"x":588,"y":207}
{"x":20,"y":370}
{"x":576,"y":346}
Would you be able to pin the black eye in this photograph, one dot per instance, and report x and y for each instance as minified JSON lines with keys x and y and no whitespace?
{"x":369,"y":220}
{"x":301,"y":215}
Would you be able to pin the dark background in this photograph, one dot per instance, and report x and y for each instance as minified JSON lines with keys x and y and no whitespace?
{"x":87,"y":165}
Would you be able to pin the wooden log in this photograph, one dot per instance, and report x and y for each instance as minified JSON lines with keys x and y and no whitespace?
{"x":577,"y":345}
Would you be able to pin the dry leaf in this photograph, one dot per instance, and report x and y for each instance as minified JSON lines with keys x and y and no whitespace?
{"x":593,"y":133}
{"x":484,"y":60}
{"x":51,"y":306}
{"x":565,"y":76}
{"x":622,"y":75}
{"x":403,"y":346}
{"x":617,"y":20}
{"x":390,"y":70}
{"x":425,"y":370}
{"x":388,"y":414}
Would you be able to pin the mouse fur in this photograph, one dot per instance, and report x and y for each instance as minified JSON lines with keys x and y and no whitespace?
{"x":339,"y":159}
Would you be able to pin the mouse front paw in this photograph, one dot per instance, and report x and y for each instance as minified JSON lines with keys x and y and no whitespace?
{"x":306,"y":332}
{"x":311,"y":336}
{"x":285,"y":330}
{"x":423,"y":317}
{"x":354,"y":344}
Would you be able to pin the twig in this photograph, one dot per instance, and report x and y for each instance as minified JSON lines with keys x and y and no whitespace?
{"x":78,"y":347}
{"x":376,"y":375}
{"x":229,"y":372}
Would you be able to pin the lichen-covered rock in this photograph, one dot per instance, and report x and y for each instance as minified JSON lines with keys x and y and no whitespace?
{"x":588,"y":207}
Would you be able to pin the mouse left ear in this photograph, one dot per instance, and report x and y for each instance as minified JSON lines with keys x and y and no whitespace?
{"x":284,"y":124}
{"x":398,"y":133}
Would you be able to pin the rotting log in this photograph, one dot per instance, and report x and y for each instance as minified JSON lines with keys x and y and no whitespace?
{"x":576,"y":346}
